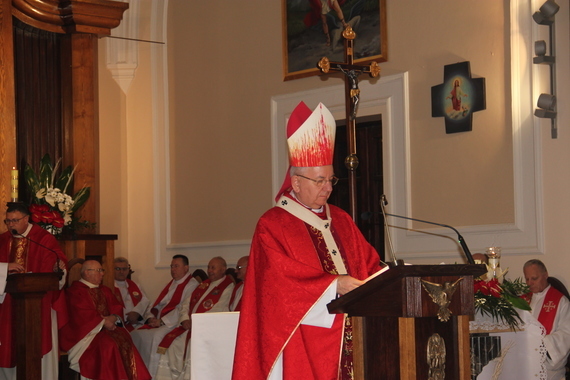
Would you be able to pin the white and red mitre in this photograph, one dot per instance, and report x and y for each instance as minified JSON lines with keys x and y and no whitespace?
{"x":310,"y":137}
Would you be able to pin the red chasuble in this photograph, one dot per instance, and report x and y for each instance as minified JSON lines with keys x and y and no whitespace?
{"x":284,"y":280}
{"x":111,"y":354}
{"x":35,"y":259}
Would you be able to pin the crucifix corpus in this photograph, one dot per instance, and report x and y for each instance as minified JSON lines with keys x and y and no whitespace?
{"x":352,"y":97}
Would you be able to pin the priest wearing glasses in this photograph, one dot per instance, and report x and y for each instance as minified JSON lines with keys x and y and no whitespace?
{"x":27,"y":248}
{"x":304,"y":254}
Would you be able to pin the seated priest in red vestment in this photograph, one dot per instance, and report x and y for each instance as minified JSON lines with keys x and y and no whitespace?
{"x":304,"y":253}
{"x":164,"y":314}
{"x":129,"y":294}
{"x":552,"y":309}
{"x":28,"y":248}
{"x":212,"y":295}
{"x":98,"y":346}
{"x":241,"y":272}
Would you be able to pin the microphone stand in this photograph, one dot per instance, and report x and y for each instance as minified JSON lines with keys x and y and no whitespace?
{"x":459,"y":237}
{"x":394,"y":261}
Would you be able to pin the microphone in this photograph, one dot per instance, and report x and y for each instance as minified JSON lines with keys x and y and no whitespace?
{"x":460,"y":238}
{"x":15,"y":233}
{"x":395,"y":262}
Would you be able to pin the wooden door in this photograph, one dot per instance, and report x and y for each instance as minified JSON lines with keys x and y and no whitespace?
{"x":370,"y":179}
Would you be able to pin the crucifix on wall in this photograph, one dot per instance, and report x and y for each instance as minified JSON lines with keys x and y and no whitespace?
{"x":352,"y":97}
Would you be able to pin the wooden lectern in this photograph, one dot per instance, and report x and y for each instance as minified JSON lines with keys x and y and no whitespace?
{"x":402,"y":336}
{"x":27,"y":291}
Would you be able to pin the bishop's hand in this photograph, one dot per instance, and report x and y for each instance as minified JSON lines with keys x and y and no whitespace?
{"x":346,"y":284}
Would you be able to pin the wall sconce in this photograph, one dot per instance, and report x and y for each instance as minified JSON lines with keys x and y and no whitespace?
{"x":547,"y":102}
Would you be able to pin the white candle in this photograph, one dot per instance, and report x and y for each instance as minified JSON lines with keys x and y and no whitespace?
{"x":14,"y":184}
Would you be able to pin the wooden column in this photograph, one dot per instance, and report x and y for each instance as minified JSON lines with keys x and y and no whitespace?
{"x":7,"y":102}
{"x":81,"y":117}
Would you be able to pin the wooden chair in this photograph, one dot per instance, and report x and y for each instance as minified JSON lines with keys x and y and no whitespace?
{"x":558,"y":285}
{"x":74,"y":270}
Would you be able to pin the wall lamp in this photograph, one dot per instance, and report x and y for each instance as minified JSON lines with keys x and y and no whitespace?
{"x":547,"y":102}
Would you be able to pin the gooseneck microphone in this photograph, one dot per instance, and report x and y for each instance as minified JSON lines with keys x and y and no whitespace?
{"x":460,"y":238}
{"x":15,"y":233}
{"x":383,"y":203}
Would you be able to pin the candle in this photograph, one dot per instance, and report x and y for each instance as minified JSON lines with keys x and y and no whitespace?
{"x":14,"y":184}
{"x":494,"y":257}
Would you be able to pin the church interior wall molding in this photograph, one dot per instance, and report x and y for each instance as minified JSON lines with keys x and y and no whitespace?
{"x":524,"y":236}
{"x":122,"y":53}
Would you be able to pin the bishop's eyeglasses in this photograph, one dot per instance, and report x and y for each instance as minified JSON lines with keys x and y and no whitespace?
{"x":321,"y":182}
{"x":100,"y":270}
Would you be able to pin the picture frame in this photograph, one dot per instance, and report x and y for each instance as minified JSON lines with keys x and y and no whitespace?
{"x":305,"y":41}
{"x":458,"y":97}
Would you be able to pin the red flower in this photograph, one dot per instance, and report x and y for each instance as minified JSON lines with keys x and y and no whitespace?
{"x":478,"y":285}
{"x":43,"y":215}
{"x":37,"y":212}
{"x":488,"y":288}
{"x":56,"y":219}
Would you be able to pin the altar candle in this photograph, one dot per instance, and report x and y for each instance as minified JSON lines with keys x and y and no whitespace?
{"x":14,"y":184}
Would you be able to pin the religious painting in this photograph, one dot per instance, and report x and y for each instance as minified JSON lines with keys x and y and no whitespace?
{"x":458,"y":97}
{"x":312,"y":29}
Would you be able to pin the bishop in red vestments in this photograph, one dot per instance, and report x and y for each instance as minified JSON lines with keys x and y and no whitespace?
{"x":304,"y":252}
{"x":98,"y":346}
{"x":34,"y":250}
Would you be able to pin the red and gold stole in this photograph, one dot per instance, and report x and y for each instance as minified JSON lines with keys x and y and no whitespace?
{"x":119,"y":336}
{"x":212,"y":298}
{"x":233,"y":297}
{"x":19,"y":252}
{"x":346,"y":369}
{"x":549,"y":309}
{"x":134,"y":292}
{"x":174,"y":301}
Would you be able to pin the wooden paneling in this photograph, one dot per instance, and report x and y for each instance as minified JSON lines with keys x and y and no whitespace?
{"x":82,"y":149}
{"x":91,"y":247}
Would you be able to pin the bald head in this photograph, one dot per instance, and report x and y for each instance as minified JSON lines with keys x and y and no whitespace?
{"x":92,"y":272}
{"x":241,"y":268}
{"x":217,"y":268}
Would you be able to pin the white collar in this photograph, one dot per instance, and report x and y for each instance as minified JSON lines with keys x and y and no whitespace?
{"x":543,"y":293}
{"x":26,"y":232}
{"x":182,"y":279}
{"x":92,"y":286}
{"x":317,"y":210}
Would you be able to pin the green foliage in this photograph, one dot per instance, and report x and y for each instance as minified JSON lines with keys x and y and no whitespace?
{"x":41,"y":186}
{"x":502,"y":309}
